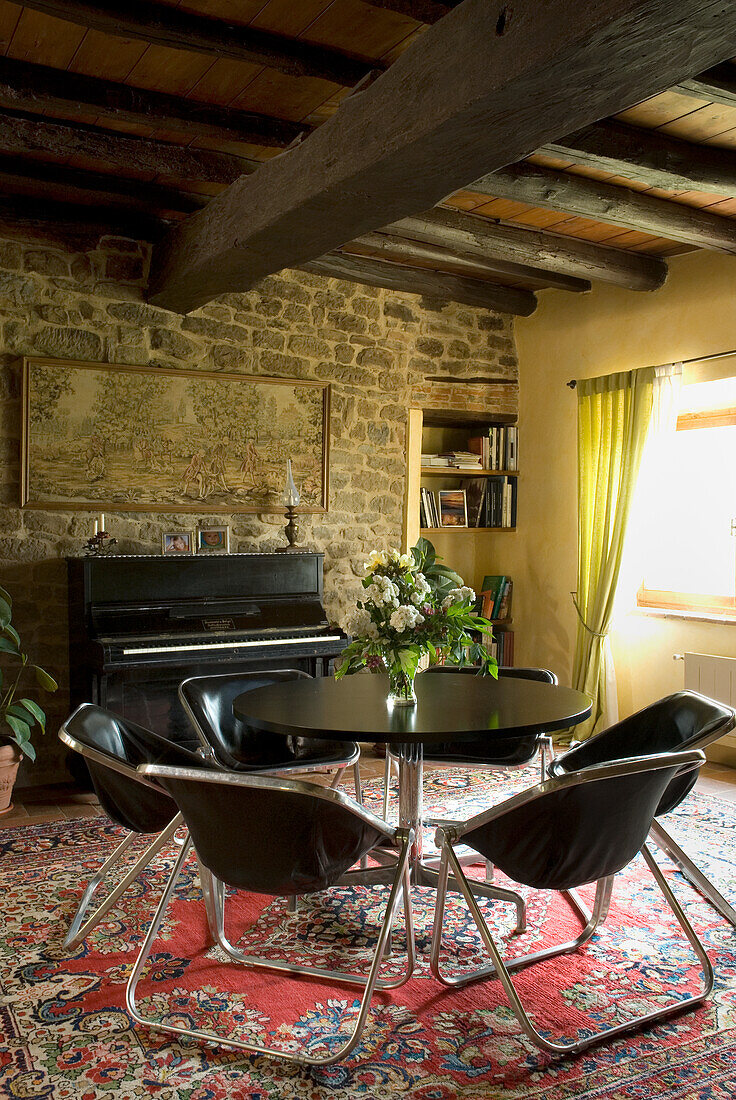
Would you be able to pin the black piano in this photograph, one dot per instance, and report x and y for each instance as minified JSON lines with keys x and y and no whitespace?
{"x":138,"y":626}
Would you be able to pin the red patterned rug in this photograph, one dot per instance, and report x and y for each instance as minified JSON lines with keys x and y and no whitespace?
{"x":66,"y":1034}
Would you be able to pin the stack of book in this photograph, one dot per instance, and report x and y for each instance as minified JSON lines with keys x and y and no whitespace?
{"x":495,"y":598}
{"x":435,"y":460}
{"x":499,"y":449}
{"x":501,"y":647}
{"x":491,"y":501}
{"x":429,"y":515}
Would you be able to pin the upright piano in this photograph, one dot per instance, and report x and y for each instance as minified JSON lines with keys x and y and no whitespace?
{"x":138,"y":626}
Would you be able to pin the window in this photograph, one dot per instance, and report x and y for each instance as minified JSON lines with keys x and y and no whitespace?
{"x":685,"y":520}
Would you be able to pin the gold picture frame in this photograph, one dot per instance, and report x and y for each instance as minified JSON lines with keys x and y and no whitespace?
{"x":139,"y":439}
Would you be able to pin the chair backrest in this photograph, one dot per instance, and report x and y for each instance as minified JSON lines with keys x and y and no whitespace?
{"x":685,"y":720}
{"x":114,"y":747}
{"x":579,"y":828}
{"x":270,"y":835}
{"x":208,"y":701}
{"x":543,"y":675}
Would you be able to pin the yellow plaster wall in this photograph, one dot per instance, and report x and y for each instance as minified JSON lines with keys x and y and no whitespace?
{"x":577,"y":336}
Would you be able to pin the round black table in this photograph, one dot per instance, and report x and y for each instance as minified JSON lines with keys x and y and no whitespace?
{"x":449,"y":708}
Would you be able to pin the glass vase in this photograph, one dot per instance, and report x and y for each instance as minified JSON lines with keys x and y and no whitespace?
{"x":400,"y":686}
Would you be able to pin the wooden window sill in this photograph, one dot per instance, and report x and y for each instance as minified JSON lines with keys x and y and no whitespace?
{"x":692,"y":616}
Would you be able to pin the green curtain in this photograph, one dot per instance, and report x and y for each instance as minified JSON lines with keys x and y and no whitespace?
{"x":614,"y":413}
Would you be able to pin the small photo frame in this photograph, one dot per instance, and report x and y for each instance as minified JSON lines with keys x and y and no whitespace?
{"x":213,"y":540}
{"x":177,"y":542}
{"x":453,"y":508}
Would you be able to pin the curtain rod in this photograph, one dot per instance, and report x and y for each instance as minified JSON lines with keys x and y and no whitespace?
{"x":695,"y":359}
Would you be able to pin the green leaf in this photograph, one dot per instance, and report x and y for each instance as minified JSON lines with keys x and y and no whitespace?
{"x":8,"y":647}
{"x":21,"y":729}
{"x":6,"y":612}
{"x":48,"y":683}
{"x":29,"y":750}
{"x":36,"y":711}
{"x":5,"y":595}
{"x":9,"y":629}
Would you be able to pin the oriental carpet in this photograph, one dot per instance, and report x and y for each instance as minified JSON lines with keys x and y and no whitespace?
{"x":65,"y":1034}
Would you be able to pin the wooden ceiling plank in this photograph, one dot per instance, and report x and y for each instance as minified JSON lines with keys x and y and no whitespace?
{"x":424,"y":11}
{"x":162,"y":25}
{"x":127,"y":191}
{"x":651,"y":157}
{"x":477,"y":236}
{"x":401,"y":248}
{"x":40,"y":88}
{"x":412,"y":280}
{"x":426,"y":127}
{"x":71,"y":223}
{"x":612,"y":204}
{"x":24,"y":135}
{"x":50,"y":41}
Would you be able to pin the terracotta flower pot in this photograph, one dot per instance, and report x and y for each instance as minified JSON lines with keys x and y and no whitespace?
{"x":10,"y":758}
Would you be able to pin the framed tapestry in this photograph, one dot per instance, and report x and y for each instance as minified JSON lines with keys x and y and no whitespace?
{"x":141,"y":439}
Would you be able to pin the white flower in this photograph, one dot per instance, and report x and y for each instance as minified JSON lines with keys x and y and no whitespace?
{"x":394,"y":554}
{"x":405,"y":561}
{"x":421,"y":583}
{"x":371,"y":632}
{"x":359,"y":622}
{"x":382,"y":592}
{"x":458,"y":595}
{"x":375,"y":558}
{"x":405,"y":618}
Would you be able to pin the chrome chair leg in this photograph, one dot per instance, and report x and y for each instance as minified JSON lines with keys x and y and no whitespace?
{"x":503,"y":969}
{"x":399,"y":887}
{"x":80,"y":927}
{"x":692,"y":873}
{"x":386,"y":784}
{"x":358,"y":783}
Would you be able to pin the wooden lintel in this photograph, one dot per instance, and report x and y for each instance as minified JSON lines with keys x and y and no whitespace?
{"x":431,"y":284}
{"x":391,"y":246}
{"x":717,"y":85}
{"x":609,"y":203}
{"x":471,"y":94}
{"x":39,"y":89}
{"x":83,"y":186}
{"x":482,"y":237}
{"x":650,"y":157}
{"x":166,"y":25}
{"x":25,"y":135}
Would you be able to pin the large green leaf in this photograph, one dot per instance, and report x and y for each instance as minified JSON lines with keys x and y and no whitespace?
{"x":21,"y":729}
{"x":34,"y":709}
{"x":29,"y":750}
{"x":6,"y":612}
{"x":5,"y":595}
{"x":10,"y":629}
{"x":6,"y":646}
{"x":48,"y":683}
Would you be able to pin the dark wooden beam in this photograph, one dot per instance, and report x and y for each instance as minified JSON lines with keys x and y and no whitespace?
{"x":717,"y":85}
{"x":424,"y":11}
{"x":39,"y":89}
{"x":401,"y":248}
{"x":649,"y":157}
{"x":415,"y":280}
{"x":24,"y":135}
{"x":181,"y":30}
{"x":608,"y":203}
{"x":72,"y":224}
{"x":91,"y":186}
{"x":470,"y":95}
{"x":546,"y":251}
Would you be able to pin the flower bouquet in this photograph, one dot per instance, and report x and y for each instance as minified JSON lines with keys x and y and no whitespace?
{"x":413,"y":606}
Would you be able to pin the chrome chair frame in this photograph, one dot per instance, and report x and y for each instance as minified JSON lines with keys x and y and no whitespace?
{"x":399,"y":886}
{"x":449,"y":836}
{"x":662,"y":838}
{"x":80,"y":927}
{"x":352,"y":761}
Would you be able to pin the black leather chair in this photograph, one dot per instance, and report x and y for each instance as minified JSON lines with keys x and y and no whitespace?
{"x":281,"y":837}
{"x":208,"y":702}
{"x":583,"y":827}
{"x":113,"y":748}
{"x":685,"y":720}
{"x":511,"y":753}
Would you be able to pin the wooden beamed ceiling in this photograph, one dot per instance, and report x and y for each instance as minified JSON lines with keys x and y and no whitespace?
{"x":136,"y":116}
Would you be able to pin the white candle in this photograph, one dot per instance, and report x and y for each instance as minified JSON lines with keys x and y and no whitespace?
{"x":102,"y":522}
{"x":96,"y":527}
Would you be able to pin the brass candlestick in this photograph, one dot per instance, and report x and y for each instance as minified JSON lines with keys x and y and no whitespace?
{"x":290,"y":499}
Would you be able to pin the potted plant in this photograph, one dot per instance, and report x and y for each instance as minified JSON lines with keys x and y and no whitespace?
{"x":413,"y":606}
{"x":18,"y":713}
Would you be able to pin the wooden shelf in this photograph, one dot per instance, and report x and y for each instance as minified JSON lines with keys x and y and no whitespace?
{"x":430,"y":530}
{"x":460,"y":471}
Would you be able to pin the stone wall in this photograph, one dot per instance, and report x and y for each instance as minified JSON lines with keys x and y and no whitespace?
{"x":381,"y":351}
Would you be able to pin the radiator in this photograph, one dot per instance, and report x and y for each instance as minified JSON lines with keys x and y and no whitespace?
{"x":716,"y":677}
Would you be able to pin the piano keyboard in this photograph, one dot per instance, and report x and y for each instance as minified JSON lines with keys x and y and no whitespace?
{"x":199,"y":647}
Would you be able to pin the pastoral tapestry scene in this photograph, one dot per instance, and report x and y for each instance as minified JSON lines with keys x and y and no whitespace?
{"x":138,"y":439}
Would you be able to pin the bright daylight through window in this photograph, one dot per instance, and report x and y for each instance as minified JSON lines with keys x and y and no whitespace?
{"x":685,"y":519}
